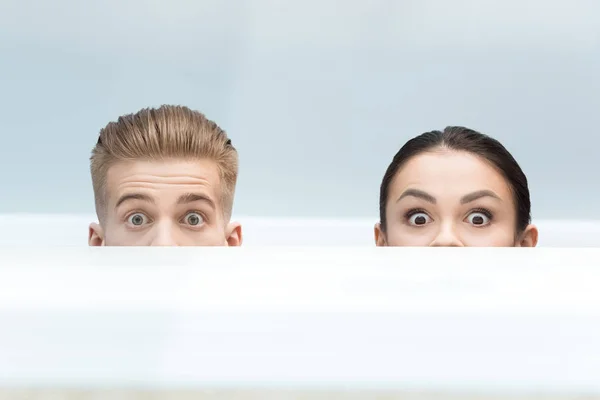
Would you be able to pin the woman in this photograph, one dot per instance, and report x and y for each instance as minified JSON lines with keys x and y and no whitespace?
{"x":454,"y":188}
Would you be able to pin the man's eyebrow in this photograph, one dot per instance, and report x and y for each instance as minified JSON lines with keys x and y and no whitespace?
{"x":419,"y":194}
{"x":134,"y":196}
{"x":192,"y":197}
{"x":477,"y":195}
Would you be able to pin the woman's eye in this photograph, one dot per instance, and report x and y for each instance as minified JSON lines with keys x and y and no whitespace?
{"x":419,"y":218}
{"x":478,"y":219}
{"x":193,"y":219}
{"x":137,"y":219}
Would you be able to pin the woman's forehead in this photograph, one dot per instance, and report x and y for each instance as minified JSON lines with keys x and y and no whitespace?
{"x":448,"y":171}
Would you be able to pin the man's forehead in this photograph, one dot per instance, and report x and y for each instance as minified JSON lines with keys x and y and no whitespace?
{"x":162,"y":176}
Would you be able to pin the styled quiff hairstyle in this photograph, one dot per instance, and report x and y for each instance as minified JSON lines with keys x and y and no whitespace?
{"x":168,"y":132}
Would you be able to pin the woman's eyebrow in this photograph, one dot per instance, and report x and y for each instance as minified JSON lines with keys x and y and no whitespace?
{"x":419,"y":194}
{"x":477,"y":195}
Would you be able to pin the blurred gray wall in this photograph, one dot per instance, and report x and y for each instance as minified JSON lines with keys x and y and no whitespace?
{"x":316,"y":95}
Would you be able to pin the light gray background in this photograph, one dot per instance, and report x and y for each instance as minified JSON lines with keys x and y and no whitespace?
{"x":316,"y":95}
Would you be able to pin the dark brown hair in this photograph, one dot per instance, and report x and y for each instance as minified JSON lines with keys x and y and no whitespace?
{"x":463,"y":139}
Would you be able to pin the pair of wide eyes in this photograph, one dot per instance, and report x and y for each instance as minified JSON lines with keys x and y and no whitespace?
{"x":475,"y":218}
{"x":139,"y":219}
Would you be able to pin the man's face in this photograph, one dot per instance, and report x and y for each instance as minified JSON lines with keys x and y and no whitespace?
{"x":164,"y":203}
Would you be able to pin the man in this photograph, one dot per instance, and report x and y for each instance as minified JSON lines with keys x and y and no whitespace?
{"x":164,"y":177}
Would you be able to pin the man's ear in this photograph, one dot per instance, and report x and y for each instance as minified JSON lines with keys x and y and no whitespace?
{"x":529,"y":237}
{"x":379,"y":236}
{"x":233,"y":234}
{"x":95,"y":235}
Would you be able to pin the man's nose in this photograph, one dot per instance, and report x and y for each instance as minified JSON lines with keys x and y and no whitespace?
{"x":164,"y":235}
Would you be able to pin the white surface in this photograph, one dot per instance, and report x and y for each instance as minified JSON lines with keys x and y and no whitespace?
{"x":71,"y":230}
{"x":467,"y":319}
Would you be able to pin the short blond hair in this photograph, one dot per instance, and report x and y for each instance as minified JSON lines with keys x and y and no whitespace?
{"x":163,"y":133}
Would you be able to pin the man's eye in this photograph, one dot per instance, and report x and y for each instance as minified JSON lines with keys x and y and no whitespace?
{"x":193,"y":219}
{"x":137,"y":219}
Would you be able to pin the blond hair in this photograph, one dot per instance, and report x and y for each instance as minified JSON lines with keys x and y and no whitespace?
{"x":163,"y":133}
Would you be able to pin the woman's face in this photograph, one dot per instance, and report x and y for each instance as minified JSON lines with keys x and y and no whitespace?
{"x":451,"y":198}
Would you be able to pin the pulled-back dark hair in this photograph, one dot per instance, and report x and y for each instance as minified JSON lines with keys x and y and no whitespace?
{"x":463,"y":139}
